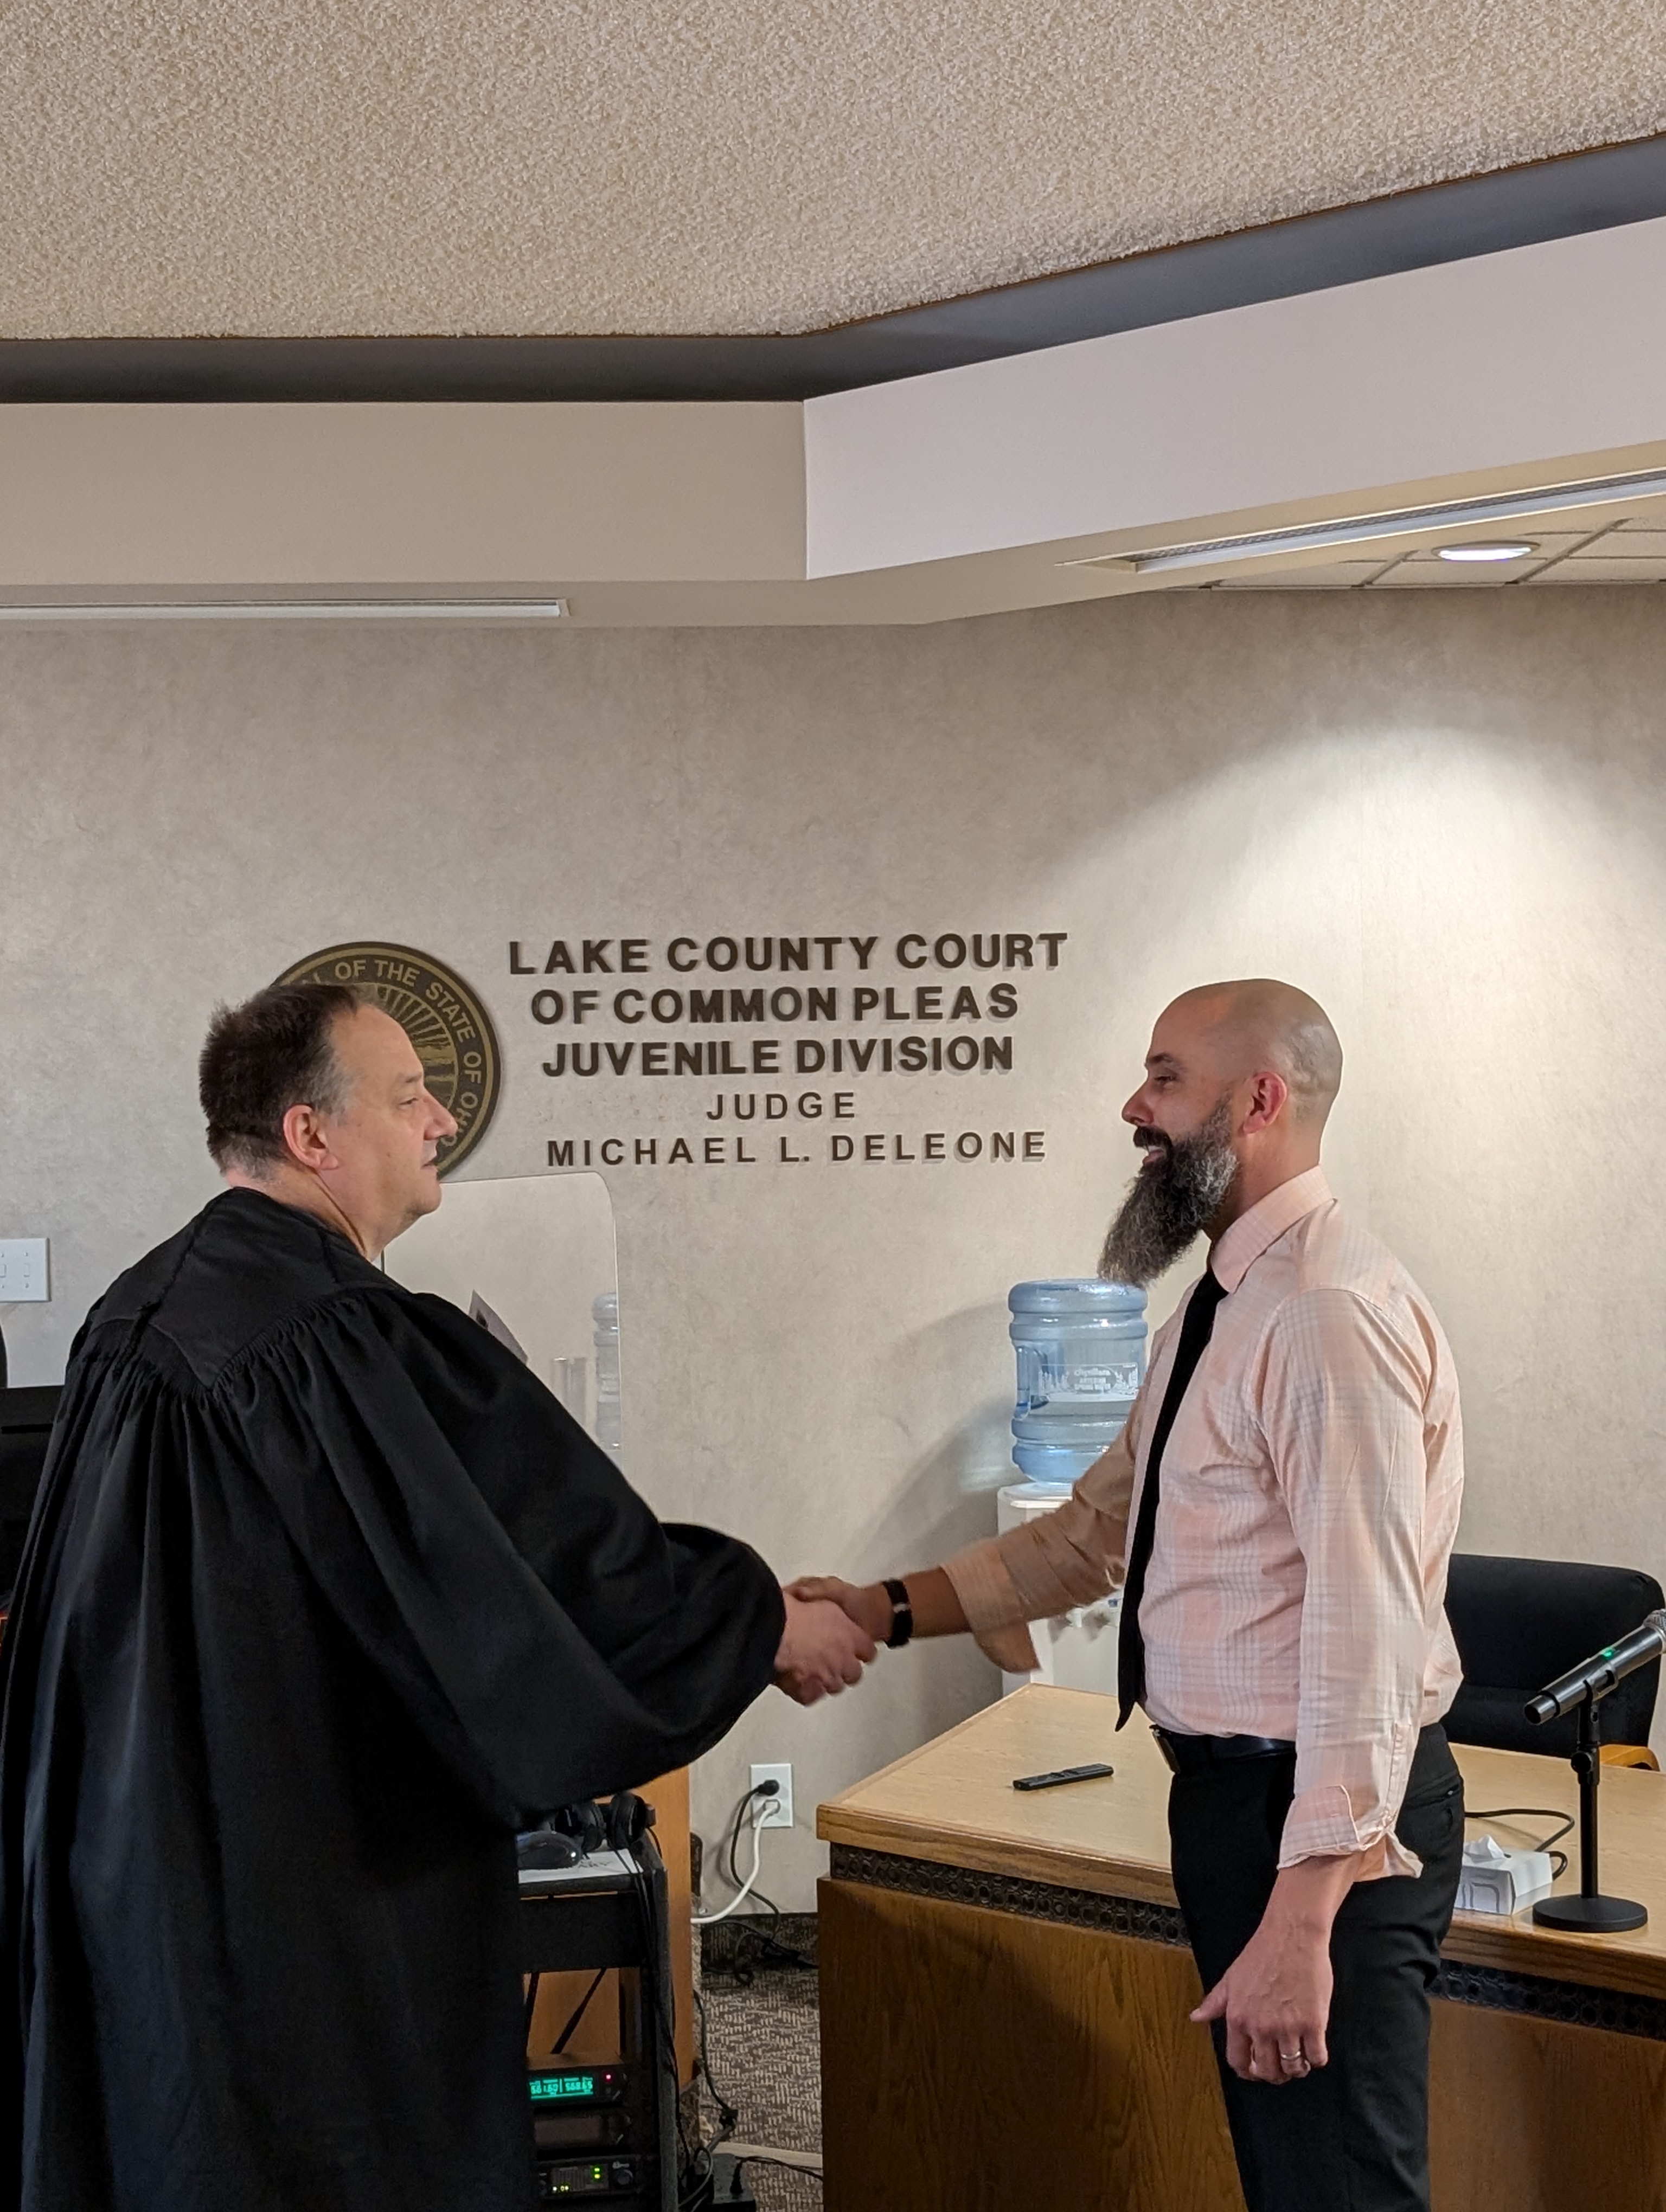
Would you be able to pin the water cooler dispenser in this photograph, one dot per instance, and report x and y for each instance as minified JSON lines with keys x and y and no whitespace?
{"x":1081,"y":1357}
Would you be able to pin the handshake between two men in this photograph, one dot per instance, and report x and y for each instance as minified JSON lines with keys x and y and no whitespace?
{"x":834,"y":1629}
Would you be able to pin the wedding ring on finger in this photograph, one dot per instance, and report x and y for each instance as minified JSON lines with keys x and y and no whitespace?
{"x":1295,"y":2063}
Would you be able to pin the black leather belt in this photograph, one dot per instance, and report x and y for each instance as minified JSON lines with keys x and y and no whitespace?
{"x":1190,"y":1754}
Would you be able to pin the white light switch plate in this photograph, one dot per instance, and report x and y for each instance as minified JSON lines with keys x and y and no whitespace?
{"x":23,"y":1271}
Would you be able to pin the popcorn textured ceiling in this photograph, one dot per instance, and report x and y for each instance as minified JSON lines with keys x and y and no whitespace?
{"x":387,"y":167}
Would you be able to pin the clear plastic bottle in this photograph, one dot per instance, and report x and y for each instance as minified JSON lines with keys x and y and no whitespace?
{"x":604,"y":1312}
{"x":1081,"y":1357}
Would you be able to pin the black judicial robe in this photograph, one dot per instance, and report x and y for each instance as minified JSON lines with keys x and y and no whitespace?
{"x":324,"y":1597}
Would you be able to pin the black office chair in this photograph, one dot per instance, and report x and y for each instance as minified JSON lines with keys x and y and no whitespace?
{"x":1519,"y":1623}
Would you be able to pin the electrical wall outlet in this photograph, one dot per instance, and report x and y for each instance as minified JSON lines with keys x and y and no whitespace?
{"x":23,"y":1271}
{"x":774,"y":1812}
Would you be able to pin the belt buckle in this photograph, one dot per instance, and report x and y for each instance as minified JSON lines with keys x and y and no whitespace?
{"x":1169,"y":1759}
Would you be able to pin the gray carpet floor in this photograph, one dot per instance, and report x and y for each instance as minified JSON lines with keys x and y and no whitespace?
{"x":763,"y":2050}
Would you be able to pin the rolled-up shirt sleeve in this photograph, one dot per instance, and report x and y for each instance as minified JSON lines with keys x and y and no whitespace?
{"x":1043,"y":1567}
{"x":1346,"y":1391}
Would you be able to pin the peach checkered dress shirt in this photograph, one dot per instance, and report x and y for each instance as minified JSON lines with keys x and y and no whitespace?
{"x":1310,"y":1493}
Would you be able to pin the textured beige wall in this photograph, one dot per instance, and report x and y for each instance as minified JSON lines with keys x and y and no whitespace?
{"x":356,"y":166}
{"x":1445,"y":814}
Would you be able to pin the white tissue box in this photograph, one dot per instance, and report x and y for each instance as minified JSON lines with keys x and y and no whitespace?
{"x":1494,"y":1880}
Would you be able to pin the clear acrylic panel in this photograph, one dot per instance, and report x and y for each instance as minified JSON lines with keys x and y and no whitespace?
{"x":536,"y":1253}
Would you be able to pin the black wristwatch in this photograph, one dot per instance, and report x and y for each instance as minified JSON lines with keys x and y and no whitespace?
{"x":902,"y":1613}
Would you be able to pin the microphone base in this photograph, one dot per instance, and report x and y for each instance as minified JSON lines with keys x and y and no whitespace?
{"x":1589,"y":1915}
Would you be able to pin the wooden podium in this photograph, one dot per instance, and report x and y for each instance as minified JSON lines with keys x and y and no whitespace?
{"x":1005,"y":1985}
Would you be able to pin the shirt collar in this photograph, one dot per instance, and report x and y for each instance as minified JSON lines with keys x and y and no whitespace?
{"x":1243,"y":1245}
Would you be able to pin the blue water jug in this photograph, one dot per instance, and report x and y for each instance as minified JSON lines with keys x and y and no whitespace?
{"x":1081,"y":1357}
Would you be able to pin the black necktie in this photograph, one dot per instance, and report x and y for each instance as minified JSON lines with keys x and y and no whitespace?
{"x":1195,"y":1332}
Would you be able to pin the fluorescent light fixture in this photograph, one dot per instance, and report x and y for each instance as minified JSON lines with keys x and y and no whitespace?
{"x":1489,"y":548}
{"x":294,"y":610}
{"x":1396,"y":522}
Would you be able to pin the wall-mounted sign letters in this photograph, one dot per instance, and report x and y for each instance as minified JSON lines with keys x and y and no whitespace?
{"x":954,"y":1023}
{"x":794,"y":1009}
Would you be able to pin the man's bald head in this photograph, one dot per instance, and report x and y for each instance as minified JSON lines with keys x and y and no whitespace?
{"x":1259,"y":1024}
{"x":1238,"y":1081}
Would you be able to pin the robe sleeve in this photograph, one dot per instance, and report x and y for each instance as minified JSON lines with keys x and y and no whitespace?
{"x":549,"y":1635}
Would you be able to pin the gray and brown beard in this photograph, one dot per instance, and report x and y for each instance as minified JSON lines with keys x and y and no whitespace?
{"x":1169,"y":1206}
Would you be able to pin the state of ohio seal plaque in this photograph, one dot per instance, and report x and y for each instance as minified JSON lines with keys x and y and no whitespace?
{"x":441,"y":1015}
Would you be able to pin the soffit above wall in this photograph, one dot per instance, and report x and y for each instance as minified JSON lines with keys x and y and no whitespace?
{"x":355,"y":167}
{"x":1336,"y":438}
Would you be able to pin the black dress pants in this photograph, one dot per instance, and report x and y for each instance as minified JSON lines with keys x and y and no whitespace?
{"x":1354,"y":2136}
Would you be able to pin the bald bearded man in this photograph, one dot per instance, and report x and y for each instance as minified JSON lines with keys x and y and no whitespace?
{"x":1280,"y":1510}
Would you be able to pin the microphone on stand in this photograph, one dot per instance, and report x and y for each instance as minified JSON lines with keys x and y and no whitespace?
{"x":1591,"y":1913}
{"x":1595,"y":1676}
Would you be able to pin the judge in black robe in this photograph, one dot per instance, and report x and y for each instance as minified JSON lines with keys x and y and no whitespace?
{"x":324,"y":1597}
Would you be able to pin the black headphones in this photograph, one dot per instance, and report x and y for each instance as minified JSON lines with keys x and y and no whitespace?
{"x":618,"y":1826}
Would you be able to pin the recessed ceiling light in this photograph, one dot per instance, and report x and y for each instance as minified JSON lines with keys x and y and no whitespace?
{"x":1499,"y":549}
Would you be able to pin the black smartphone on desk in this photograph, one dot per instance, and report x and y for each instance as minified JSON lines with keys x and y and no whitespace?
{"x":1060,"y":1774}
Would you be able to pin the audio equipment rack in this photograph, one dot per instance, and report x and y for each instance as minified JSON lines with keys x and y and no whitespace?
{"x":605,"y":2132}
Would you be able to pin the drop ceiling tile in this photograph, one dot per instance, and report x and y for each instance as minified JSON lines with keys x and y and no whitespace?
{"x":1640,"y":543}
{"x":1450,"y":575}
{"x":1603,"y":572}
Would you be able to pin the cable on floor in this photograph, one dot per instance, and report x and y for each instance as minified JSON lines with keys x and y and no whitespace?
{"x":769,"y":1949}
{"x":747,"y":1933}
{"x":727,"y":2114}
{"x":801,"y":2161}
{"x":744,"y":1889}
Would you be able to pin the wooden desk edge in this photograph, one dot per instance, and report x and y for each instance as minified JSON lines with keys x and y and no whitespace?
{"x":941,"y":1844}
{"x":1474,"y":1939}
{"x":1516,"y":1946}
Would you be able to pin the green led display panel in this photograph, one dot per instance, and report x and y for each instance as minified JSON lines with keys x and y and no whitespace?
{"x":555,"y":2088}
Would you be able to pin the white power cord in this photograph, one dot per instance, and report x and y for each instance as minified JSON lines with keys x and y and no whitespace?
{"x":707,"y":1919}
{"x":743,"y":2154}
